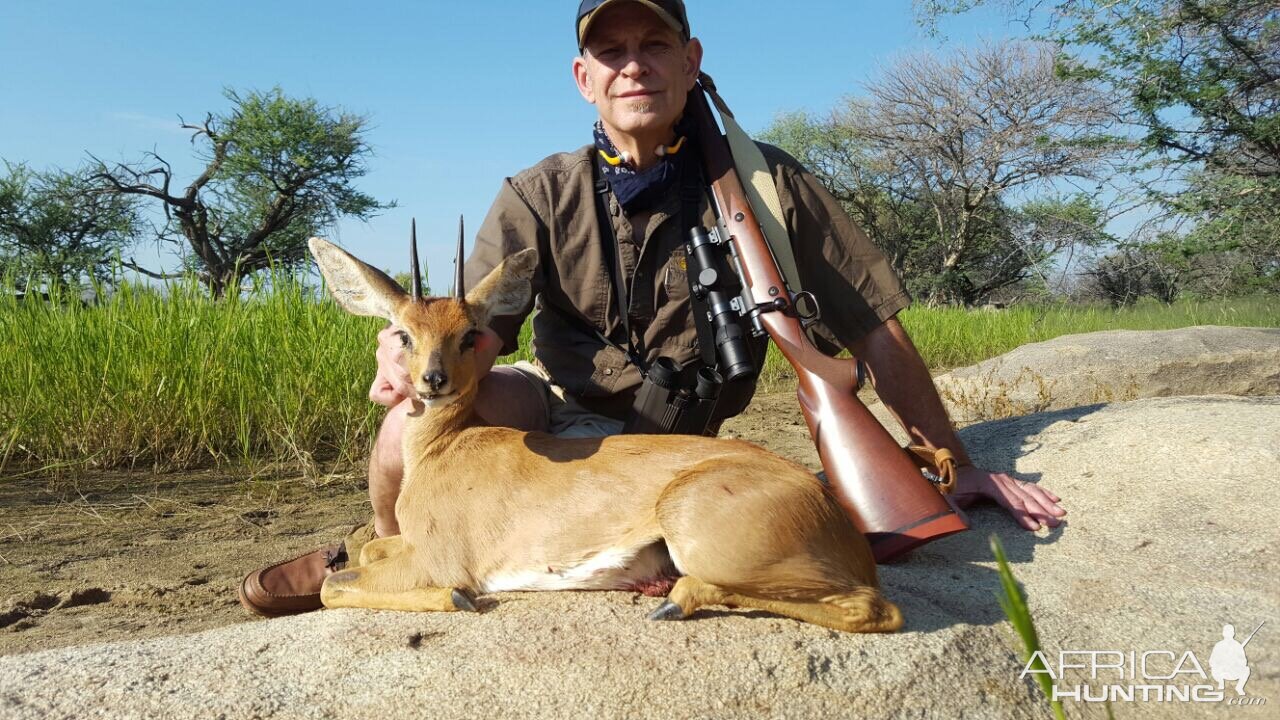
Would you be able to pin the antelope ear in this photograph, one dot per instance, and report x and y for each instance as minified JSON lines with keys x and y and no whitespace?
{"x":359,"y":288}
{"x":505,"y":290}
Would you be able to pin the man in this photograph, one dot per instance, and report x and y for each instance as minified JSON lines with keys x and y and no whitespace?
{"x":636,"y":64}
{"x":1228,"y":661}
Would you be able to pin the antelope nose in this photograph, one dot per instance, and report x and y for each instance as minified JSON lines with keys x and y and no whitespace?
{"x":435,"y":380}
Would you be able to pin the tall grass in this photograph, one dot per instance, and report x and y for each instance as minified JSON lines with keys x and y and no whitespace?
{"x":954,"y":337}
{"x":172,"y":378}
{"x":168,"y":378}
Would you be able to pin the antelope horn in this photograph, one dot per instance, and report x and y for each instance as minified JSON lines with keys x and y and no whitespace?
{"x":459,"y":291}
{"x":416,"y":278}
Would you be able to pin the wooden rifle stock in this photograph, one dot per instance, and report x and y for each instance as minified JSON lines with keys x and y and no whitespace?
{"x":880,"y":488}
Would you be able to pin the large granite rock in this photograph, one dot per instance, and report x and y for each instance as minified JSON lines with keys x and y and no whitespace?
{"x":1172,"y":533}
{"x":1075,"y":370}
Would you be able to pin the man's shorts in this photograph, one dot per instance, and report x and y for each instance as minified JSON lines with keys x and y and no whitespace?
{"x":566,"y":418}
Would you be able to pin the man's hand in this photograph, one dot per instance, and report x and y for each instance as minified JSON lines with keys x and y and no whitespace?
{"x":1030,"y":505}
{"x":488,"y":348}
{"x":392,"y":384}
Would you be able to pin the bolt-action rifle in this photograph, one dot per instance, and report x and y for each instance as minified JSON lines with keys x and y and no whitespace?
{"x":878,"y":483}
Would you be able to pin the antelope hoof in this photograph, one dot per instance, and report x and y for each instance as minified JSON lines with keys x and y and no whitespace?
{"x":462,"y":601}
{"x":667,"y":611}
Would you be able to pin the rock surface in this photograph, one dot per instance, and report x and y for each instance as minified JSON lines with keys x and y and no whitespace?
{"x":1171,"y":534}
{"x":1114,"y":365}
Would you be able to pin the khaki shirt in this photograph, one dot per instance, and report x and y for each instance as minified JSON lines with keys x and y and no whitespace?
{"x":551,"y":207}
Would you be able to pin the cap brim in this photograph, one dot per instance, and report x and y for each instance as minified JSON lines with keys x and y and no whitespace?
{"x":584,"y":25}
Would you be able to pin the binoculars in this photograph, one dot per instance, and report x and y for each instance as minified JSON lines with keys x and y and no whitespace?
{"x":667,"y":404}
{"x":680,"y":399}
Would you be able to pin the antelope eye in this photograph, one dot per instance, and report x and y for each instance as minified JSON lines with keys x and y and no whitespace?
{"x":405,"y":340}
{"x":469,"y":339}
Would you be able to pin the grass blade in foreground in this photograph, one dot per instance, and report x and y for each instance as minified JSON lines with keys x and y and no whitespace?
{"x":1014,"y":602}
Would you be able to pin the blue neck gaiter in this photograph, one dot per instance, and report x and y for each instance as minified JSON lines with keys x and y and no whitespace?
{"x":638,"y":191}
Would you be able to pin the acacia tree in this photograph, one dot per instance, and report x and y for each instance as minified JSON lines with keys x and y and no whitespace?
{"x":931,"y":158}
{"x":1118,"y":277}
{"x":56,"y":230}
{"x":966,"y":132}
{"x":1021,"y":251}
{"x":863,"y":182}
{"x":277,"y":170}
{"x":1158,"y":267}
{"x":1199,"y":81}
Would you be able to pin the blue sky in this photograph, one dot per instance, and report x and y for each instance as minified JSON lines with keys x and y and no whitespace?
{"x":459,"y":95}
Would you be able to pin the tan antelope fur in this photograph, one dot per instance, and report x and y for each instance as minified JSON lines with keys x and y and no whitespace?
{"x":486,"y":509}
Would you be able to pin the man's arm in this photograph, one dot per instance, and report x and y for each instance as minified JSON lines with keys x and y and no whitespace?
{"x":903,"y":383}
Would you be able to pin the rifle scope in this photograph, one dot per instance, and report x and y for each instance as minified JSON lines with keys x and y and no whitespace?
{"x":712,"y":283}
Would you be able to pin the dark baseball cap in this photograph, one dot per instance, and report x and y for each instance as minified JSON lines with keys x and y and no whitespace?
{"x":671,"y":11}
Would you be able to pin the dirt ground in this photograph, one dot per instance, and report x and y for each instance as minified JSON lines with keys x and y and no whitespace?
{"x":114,"y":556}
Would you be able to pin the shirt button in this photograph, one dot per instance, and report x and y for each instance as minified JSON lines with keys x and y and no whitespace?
{"x":608,"y":371}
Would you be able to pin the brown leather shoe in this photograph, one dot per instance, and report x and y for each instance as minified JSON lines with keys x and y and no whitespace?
{"x":291,"y":586}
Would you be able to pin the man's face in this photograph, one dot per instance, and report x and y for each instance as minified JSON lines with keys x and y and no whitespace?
{"x":636,"y":70}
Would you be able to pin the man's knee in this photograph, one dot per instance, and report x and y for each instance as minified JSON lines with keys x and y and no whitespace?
{"x":507,"y":397}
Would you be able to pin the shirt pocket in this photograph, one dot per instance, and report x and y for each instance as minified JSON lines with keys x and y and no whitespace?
{"x":610,"y":366}
{"x":673,"y":324}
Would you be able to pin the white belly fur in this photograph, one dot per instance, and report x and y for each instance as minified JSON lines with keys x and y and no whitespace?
{"x":613,"y":569}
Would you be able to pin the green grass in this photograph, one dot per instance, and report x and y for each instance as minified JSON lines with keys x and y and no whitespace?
{"x":1013,"y":600}
{"x":952,"y":337}
{"x":179,"y":380}
{"x":955,"y":337}
{"x":171,"y":379}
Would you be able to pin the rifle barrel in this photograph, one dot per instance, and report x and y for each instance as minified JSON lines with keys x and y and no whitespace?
{"x":1255,"y":632}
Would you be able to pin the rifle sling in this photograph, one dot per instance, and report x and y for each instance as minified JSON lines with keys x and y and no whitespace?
{"x":613,"y":265}
{"x":762,"y":195}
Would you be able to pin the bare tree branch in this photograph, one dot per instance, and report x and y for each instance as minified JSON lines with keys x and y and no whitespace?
{"x":970,"y":129}
{"x":133,"y":265}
